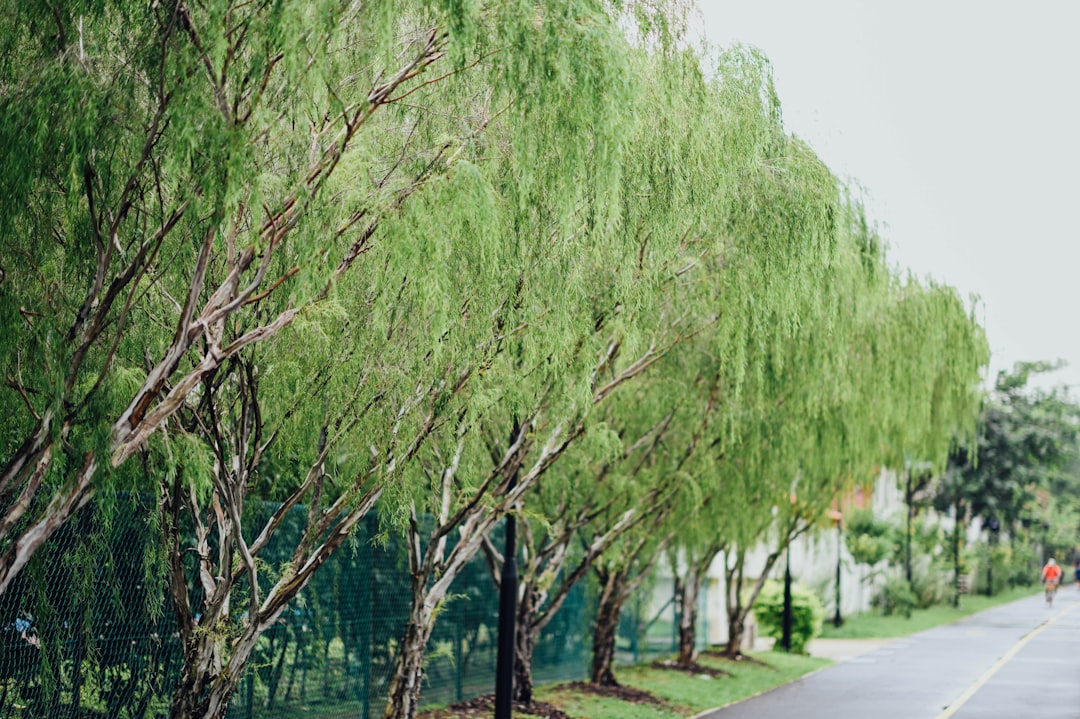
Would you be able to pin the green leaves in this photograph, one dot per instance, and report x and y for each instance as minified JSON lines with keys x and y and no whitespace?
{"x":1026,"y":438}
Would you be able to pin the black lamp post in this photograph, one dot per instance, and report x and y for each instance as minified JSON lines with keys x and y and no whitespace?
{"x":785,"y":621}
{"x":837,"y":619}
{"x":508,"y":583}
{"x":907,"y":531}
{"x":994,"y":526}
{"x":504,"y":668}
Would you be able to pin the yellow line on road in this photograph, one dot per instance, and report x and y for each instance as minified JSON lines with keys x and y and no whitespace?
{"x":1005,"y":659}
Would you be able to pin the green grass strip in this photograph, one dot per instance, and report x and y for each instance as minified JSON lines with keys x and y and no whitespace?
{"x":872,"y":625}
{"x":684,"y":694}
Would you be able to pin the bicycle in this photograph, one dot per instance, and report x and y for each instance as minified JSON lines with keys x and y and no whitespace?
{"x":1051,"y":589}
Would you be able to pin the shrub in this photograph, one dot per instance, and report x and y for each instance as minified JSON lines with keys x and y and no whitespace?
{"x":1013,"y":566}
{"x":807,"y":614}
{"x":869,"y":540}
{"x":929,"y":585}
{"x":896,"y":597}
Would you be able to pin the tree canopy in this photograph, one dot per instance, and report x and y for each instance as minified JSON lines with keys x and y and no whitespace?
{"x":443,"y":262}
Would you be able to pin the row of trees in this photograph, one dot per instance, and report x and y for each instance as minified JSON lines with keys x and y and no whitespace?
{"x":443,"y":262}
{"x":1016,"y":487}
{"x":1021,"y":479}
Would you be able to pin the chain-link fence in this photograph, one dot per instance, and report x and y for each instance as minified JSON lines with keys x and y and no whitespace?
{"x":87,"y":630}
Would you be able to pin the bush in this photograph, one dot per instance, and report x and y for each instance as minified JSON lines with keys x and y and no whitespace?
{"x":896,"y":597}
{"x":868,"y":539}
{"x":1013,"y":566}
{"x":930,"y":585}
{"x":807,"y":614}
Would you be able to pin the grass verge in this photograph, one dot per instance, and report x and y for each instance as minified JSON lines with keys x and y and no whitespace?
{"x":685,"y":695}
{"x":872,"y":625}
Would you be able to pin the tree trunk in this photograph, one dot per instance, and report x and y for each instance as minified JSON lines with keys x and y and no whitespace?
{"x":524,"y":643}
{"x":687,"y":590}
{"x":736,"y":613}
{"x":687,"y":594}
{"x":203,"y":692}
{"x":606,"y":627}
{"x":736,"y":631}
{"x":404,"y":694}
{"x":738,"y":609}
{"x":213,"y":664}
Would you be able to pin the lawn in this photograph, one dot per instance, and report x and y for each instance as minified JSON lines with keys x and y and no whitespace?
{"x":685,"y":695}
{"x":872,"y":625}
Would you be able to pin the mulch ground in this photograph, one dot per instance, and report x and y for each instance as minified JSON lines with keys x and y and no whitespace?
{"x":484,"y":706}
{"x":739,"y":658}
{"x":617,"y":691}
{"x":691,"y":668}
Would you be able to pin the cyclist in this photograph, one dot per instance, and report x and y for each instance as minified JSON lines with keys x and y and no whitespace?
{"x":1051,"y":574}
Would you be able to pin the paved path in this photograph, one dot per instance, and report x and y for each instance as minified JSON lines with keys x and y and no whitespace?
{"x":1012,"y":662}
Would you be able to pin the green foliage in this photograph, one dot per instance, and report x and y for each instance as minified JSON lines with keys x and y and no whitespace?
{"x":807,"y":614}
{"x":930,"y":584}
{"x":868,"y":539}
{"x":896,"y":598}
{"x":566,"y":201}
{"x":1007,"y":564}
{"x":1027,"y":437}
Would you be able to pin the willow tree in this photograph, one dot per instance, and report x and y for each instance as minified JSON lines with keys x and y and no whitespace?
{"x":782,"y":215}
{"x":619,"y":311}
{"x":655,"y":295}
{"x":601,"y":492}
{"x":166,"y":207}
{"x":736,"y":146}
{"x":475,"y":298}
{"x":190,"y":181}
{"x":842,"y":404}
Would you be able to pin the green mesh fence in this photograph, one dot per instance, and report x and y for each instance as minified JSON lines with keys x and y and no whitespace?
{"x":87,"y":630}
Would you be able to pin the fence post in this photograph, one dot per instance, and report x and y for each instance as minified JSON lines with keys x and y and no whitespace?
{"x":367,"y":591}
{"x":634,"y":648}
{"x":458,"y":651}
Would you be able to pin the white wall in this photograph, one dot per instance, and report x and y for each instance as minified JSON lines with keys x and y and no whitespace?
{"x":813,"y":563}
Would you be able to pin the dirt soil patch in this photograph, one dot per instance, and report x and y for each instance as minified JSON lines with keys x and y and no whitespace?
{"x":691,"y":668}
{"x":739,"y":658}
{"x":484,"y":706}
{"x":617,"y":691}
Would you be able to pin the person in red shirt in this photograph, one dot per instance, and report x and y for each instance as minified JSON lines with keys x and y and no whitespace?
{"x":1051,"y":574}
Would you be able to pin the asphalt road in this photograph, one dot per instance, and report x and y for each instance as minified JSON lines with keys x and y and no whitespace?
{"x":1012,"y":662}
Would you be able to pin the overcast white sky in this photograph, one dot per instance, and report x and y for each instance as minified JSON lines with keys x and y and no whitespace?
{"x":962,"y":121}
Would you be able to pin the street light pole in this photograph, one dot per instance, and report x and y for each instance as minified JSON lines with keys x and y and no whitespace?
{"x":785,"y":636}
{"x":837,"y":619}
{"x":508,"y":585}
{"x":907,"y":544}
{"x":504,"y":670}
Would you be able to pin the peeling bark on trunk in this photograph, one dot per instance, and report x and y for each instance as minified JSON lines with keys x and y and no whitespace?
{"x":737,"y":609}
{"x":736,"y":612}
{"x":605,"y":628}
{"x":687,"y":591}
{"x":524,"y":643}
{"x":736,"y":626}
{"x":201,"y":694}
{"x":618,"y":583}
{"x":687,"y":594}
{"x":404,"y":694}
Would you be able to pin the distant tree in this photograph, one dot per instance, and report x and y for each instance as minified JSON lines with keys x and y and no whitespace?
{"x":1026,"y":441}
